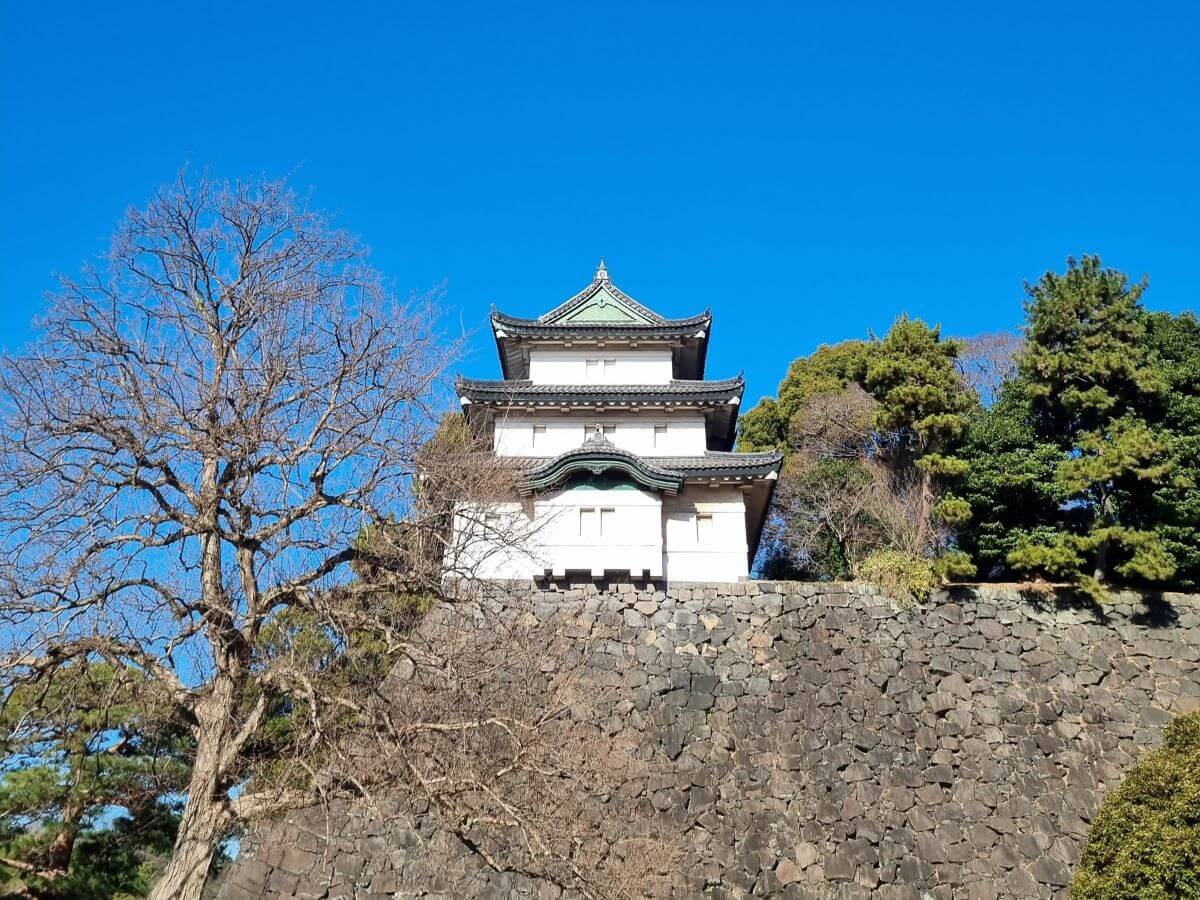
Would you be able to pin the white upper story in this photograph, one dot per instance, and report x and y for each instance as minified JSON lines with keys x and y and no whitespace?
{"x":600,"y":366}
{"x":535,"y":434}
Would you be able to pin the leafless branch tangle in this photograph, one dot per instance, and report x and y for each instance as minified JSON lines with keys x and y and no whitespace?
{"x":212,"y":419}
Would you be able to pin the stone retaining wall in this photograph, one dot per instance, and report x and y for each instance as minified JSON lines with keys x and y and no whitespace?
{"x":819,"y":742}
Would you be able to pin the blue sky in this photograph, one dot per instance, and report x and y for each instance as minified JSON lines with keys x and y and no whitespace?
{"x":808,"y":171}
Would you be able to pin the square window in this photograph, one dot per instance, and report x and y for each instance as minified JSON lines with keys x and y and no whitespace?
{"x":539,"y":436}
{"x":591,"y":368}
{"x":660,"y":435}
{"x":704,"y":528}
{"x":608,"y":522}
{"x":610,"y":368}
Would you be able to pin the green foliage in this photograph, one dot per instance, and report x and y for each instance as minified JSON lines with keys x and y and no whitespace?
{"x":1084,"y":467}
{"x":1086,"y":361}
{"x":90,"y":739}
{"x":1172,"y":508}
{"x":954,"y":565}
{"x":1008,"y":484}
{"x":762,"y":428}
{"x":1144,"y":842}
{"x":1094,"y":389}
{"x":829,"y":369}
{"x":922,"y":400}
{"x":953,"y":510}
{"x":119,"y":860}
{"x":869,"y":430}
{"x":1060,"y":467}
{"x":906,"y":579}
{"x":807,"y":539}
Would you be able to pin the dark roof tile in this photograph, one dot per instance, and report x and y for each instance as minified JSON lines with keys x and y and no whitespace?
{"x":523,"y":391}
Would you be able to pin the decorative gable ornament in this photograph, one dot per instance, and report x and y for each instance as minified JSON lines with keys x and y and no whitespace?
{"x":601,"y":303}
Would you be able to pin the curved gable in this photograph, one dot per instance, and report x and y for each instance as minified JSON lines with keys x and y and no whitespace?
{"x":598,"y":456}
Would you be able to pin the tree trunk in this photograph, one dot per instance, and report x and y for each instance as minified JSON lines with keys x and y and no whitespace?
{"x":925,"y":543}
{"x":58,"y":854}
{"x":1100,"y":572}
{"x":204,"y":815}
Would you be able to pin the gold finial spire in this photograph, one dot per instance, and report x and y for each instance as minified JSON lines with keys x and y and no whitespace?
{"x":601,"y":271}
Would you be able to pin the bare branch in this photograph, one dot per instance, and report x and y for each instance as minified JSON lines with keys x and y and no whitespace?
{"x":193,"y":449}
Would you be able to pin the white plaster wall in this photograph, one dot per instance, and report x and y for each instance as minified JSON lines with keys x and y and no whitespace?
{"x":684,"y":436}
{"x":496,"y":541}
{"x":721,"y":553}
{"x":524,"y":540}
{"x":632,"y":538}
{"x":627,"y":366}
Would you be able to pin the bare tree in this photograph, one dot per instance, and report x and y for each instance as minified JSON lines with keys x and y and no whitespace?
{"x":845,"y":493}
{"x":190,"y":453}
{"x":826,"y":497}
{"x":987,"y":360}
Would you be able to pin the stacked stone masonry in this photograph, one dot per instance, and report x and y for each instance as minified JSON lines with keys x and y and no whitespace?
{"x":817,"y":741}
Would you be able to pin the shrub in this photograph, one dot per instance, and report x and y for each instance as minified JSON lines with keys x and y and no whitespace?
{"x":1145,"y":840}
{"x":906,"y":579}
{"x":954,"y":565}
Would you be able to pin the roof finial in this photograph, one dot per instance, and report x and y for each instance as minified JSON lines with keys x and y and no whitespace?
{"x":601,"y":271}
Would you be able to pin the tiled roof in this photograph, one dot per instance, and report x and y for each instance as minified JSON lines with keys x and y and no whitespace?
{"x":601,"y":282}
{"x":602,"y":312}
{"x":711,"y":464}
{"x":719,"y":462}
{"x":523,"y":391}
{"x":513,"y":326}
{"x":598,"y":454}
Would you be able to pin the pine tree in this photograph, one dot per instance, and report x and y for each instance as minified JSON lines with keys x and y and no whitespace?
{"x":923,"y":412}
{"x":94,"y":739}
{"x":1009,"y":484}
{"x":1172,"y":508}
{"x":1091,"y":382}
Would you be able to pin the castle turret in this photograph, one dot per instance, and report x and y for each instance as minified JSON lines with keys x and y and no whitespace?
{"x":624,"y":446}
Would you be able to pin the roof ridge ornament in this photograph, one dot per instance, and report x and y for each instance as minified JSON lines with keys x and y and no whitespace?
{"x":598,"y":441}
{"x":601,"y":273}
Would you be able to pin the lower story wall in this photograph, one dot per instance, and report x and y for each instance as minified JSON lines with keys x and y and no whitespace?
{"x":817,"y":741}
{"x":697,"y":535}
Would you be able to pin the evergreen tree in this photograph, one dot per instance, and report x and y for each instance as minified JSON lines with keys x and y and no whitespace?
{"x":1144,"y":841}
{"x":1091,"y":382}
{"x":818,"y":502}
{"x":94,"y":739}
{"x":923,"y":410}
{"x":1172,"y":508}
{"x":1008,"y":483}
{"x":762,"y":428}
{"x":828,"y":370}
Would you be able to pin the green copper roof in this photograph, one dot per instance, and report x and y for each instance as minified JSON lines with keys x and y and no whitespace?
{"x":597,"y":455}
{"x":601,"y":303}
{"x":603,"y":308}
